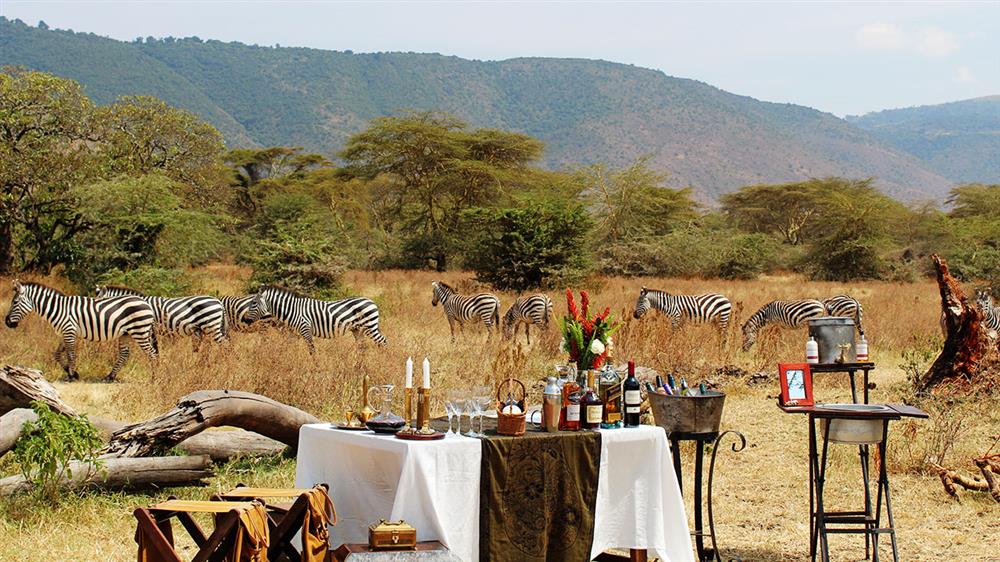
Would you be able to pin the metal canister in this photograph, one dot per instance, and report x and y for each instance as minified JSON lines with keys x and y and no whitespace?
{"x":835,"y":336}
{"x":551,"y":405}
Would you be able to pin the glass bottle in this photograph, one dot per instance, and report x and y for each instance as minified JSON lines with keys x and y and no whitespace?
{"x":611,"y":394}
{"x":633,"y":398}
{"x":569,"y":420}
{"x":591,"y":405}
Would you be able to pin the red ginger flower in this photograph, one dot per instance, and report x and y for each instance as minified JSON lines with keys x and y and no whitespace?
{"x":585,"y":300}
{"x":571,"y":305}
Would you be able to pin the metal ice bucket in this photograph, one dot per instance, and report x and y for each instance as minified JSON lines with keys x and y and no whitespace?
{"x":688,"y":414}
{"x":853,"y":431}
{"x":830,"y":333}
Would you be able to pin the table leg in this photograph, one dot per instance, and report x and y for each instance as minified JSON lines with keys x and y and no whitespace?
{"x":820,"y":511}
{"x":884,"y":476}
{"x":854,"y":391}
{"x":675,"y":450}
{"x":812,"y":488}
{"x":863,"y":454}
{"x":866,"y":386}
{"x":699,"y":527}
{"x":637,"y":555}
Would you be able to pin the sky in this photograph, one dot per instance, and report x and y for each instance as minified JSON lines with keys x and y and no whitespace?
{"x":847,"y":58}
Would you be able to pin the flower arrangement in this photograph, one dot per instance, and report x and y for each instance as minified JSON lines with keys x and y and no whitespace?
{"x":586,"y":339}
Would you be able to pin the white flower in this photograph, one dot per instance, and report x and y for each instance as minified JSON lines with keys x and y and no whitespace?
{"x":596,"y":347}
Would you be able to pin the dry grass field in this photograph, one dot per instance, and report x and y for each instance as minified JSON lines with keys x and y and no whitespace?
{"x":761,"y":493}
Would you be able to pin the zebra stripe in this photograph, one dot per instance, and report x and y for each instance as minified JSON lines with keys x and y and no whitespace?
{"x":991,"y":314}
{"x":317,"y":318}
{"x":190,"y":316}
{"x":237,"y":311}
{"x":77,"y":317}
{"x":484,"y":307}
{"x":789,"y":314}
{"x":710,"y":307}
{"x":535,"y":309}
{"x":846,"y":306}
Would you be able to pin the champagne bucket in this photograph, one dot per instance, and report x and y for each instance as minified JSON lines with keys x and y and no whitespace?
{"x":688,"y":414}
{"x":832,"y":333}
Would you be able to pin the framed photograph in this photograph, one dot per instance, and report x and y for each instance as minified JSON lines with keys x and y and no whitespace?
{"x":796,"y":384}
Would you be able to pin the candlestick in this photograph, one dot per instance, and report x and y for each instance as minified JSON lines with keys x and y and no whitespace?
{"x":408,"y":415}
{"x":409,"y":372}
{"x":423,"y":411}
{"x":427,"y":373}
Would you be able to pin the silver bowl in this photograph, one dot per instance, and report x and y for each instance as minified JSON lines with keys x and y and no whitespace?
{"x":856,"y":432}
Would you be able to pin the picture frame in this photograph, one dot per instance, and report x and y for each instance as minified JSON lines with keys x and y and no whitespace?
{"x":796,"y":384}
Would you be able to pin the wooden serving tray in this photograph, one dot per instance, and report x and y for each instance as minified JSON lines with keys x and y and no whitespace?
{"x":420,"y":437}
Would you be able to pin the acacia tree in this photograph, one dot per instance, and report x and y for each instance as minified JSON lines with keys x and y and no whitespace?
{"x":253,"y":166}
{"x":439,"y":168}
{"x":783,"y":209}
{"x":45,"y":136}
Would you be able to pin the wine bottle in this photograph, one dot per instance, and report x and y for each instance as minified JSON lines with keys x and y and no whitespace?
{"x":684,"y":387}
{"x":672,"y":383}
{"x":569,"y":420}
{"x":659,"y":383}
{"x":633,"y":397}
{"x":591,"y":405}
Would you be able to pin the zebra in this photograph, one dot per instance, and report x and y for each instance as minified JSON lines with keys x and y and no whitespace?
{"x":237,"y":311}
{"x":191,"y":316}
{"x":845,"y":305}
{"x":317,"y":318}
{"x":710,"y":307}
{"x":73,"y":317}
{"x":991,"y":314}
{"x":535,"y":309}
{"x":460,"y":309}
{"x":790,"y":314}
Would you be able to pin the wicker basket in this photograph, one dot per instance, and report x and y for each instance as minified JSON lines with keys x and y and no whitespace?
{"x":512,"y":424}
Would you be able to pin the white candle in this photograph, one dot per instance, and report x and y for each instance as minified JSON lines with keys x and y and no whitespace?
{"x":409,"y":372}
{"x":427,"y":373}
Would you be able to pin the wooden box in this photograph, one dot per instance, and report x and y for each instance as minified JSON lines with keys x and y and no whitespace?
{"x":392,"y":535}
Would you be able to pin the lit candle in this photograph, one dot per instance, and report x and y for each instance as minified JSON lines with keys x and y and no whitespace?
{"x":409,"y":372}
{"x":427,"y":373}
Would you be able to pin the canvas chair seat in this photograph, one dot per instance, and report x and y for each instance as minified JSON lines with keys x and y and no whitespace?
{"x":310,"y":512}
{"x":241,"y":533}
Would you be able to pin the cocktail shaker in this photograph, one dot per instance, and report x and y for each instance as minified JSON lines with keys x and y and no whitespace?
{"x":551,"y":405}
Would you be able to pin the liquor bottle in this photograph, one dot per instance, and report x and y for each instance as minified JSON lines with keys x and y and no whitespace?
{"x":591,"y":405}
{"x":672,"y":383}
{"x":659,"y":383}
{"x":569,"y":420}
{"x":684,"y":387}
{"x":611,"y":394}
{"x":862,"y":350}
{"x":633,"y":397}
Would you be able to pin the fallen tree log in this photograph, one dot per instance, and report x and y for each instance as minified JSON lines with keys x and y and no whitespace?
{"x":19,"y":386}
{"x":966,"y":354}
{"x":11,"y":424}
{"x":209,"y":408}
{"x":126,"y":474}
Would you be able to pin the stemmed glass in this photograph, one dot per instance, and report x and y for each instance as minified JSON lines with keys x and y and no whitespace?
{"x":453,"y":406}
{"x":484,"y":399}
{"x":470,"y":405}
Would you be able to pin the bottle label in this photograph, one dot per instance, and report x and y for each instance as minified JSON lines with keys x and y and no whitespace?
{"x":631,"y":409}
{"x":633,"y":397}
{"x":573,"y":413}
{"x":594,"y":413}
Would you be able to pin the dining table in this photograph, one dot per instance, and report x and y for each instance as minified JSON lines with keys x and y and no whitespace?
{"x":435,"y":486}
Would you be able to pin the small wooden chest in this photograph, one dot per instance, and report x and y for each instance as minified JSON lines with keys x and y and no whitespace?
{"x":392,"y":535}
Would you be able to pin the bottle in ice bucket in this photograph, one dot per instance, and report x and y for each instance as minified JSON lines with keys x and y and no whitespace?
{"x":812,"y":351}
{"x":862,"y":350}
{"x":633,"y":398}
{"x":551,"y":405}
{"x":591,"y":406}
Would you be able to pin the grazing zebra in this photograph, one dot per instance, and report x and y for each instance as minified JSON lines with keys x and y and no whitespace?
{"x":191,"y":316}
{"x":790,"y":314}
{"x":710,"y":307}
{"x":536,"y":309}
{"x":845,"y":305}
{"x":460,"y":309}
{"x":237,"y":311}
{"x":317,"y":318}
{"x":73,"y":317}
{"x":991,"y":314}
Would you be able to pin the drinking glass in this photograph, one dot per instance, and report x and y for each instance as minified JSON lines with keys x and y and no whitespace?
{"x":484,"y":398}
{"x":453,"y":409}
{"x":471,"y":405}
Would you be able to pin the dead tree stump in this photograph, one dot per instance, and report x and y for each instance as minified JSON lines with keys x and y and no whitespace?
{"x":20,"y":385}
{"x":966,"y":354}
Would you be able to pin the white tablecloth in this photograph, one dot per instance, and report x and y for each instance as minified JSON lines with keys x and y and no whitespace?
{"x":434,"y":486}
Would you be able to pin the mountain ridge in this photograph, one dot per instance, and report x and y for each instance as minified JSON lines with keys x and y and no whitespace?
{"x":585,"y":110}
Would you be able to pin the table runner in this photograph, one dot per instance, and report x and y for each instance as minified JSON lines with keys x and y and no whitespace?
{"x":538,"y":493}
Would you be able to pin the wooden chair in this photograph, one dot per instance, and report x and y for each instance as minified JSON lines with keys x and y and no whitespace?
{"x":155,"y":537}
{"x":285,"y":519}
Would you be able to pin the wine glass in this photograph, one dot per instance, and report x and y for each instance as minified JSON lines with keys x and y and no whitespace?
{"x":451,"y":406}
{"x":484,"y":399}
{"x":471,"y":409}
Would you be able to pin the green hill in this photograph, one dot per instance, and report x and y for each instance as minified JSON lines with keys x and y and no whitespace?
{"x":960,"y":140}
{"x":585,"y":110}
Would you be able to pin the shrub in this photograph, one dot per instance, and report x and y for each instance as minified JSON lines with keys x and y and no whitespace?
{"x":540,"y":246}
{"x":47,"y":445}
{"x":746,"y":256}
{"x":152,"y":280}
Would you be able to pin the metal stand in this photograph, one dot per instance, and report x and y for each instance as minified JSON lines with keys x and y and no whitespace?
{"x":699,"y":533}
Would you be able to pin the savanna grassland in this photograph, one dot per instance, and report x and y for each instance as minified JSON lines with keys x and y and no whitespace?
{"x":761,"y":493}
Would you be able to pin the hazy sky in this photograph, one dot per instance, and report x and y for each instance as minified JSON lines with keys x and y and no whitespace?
{"x":845,"y":57}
